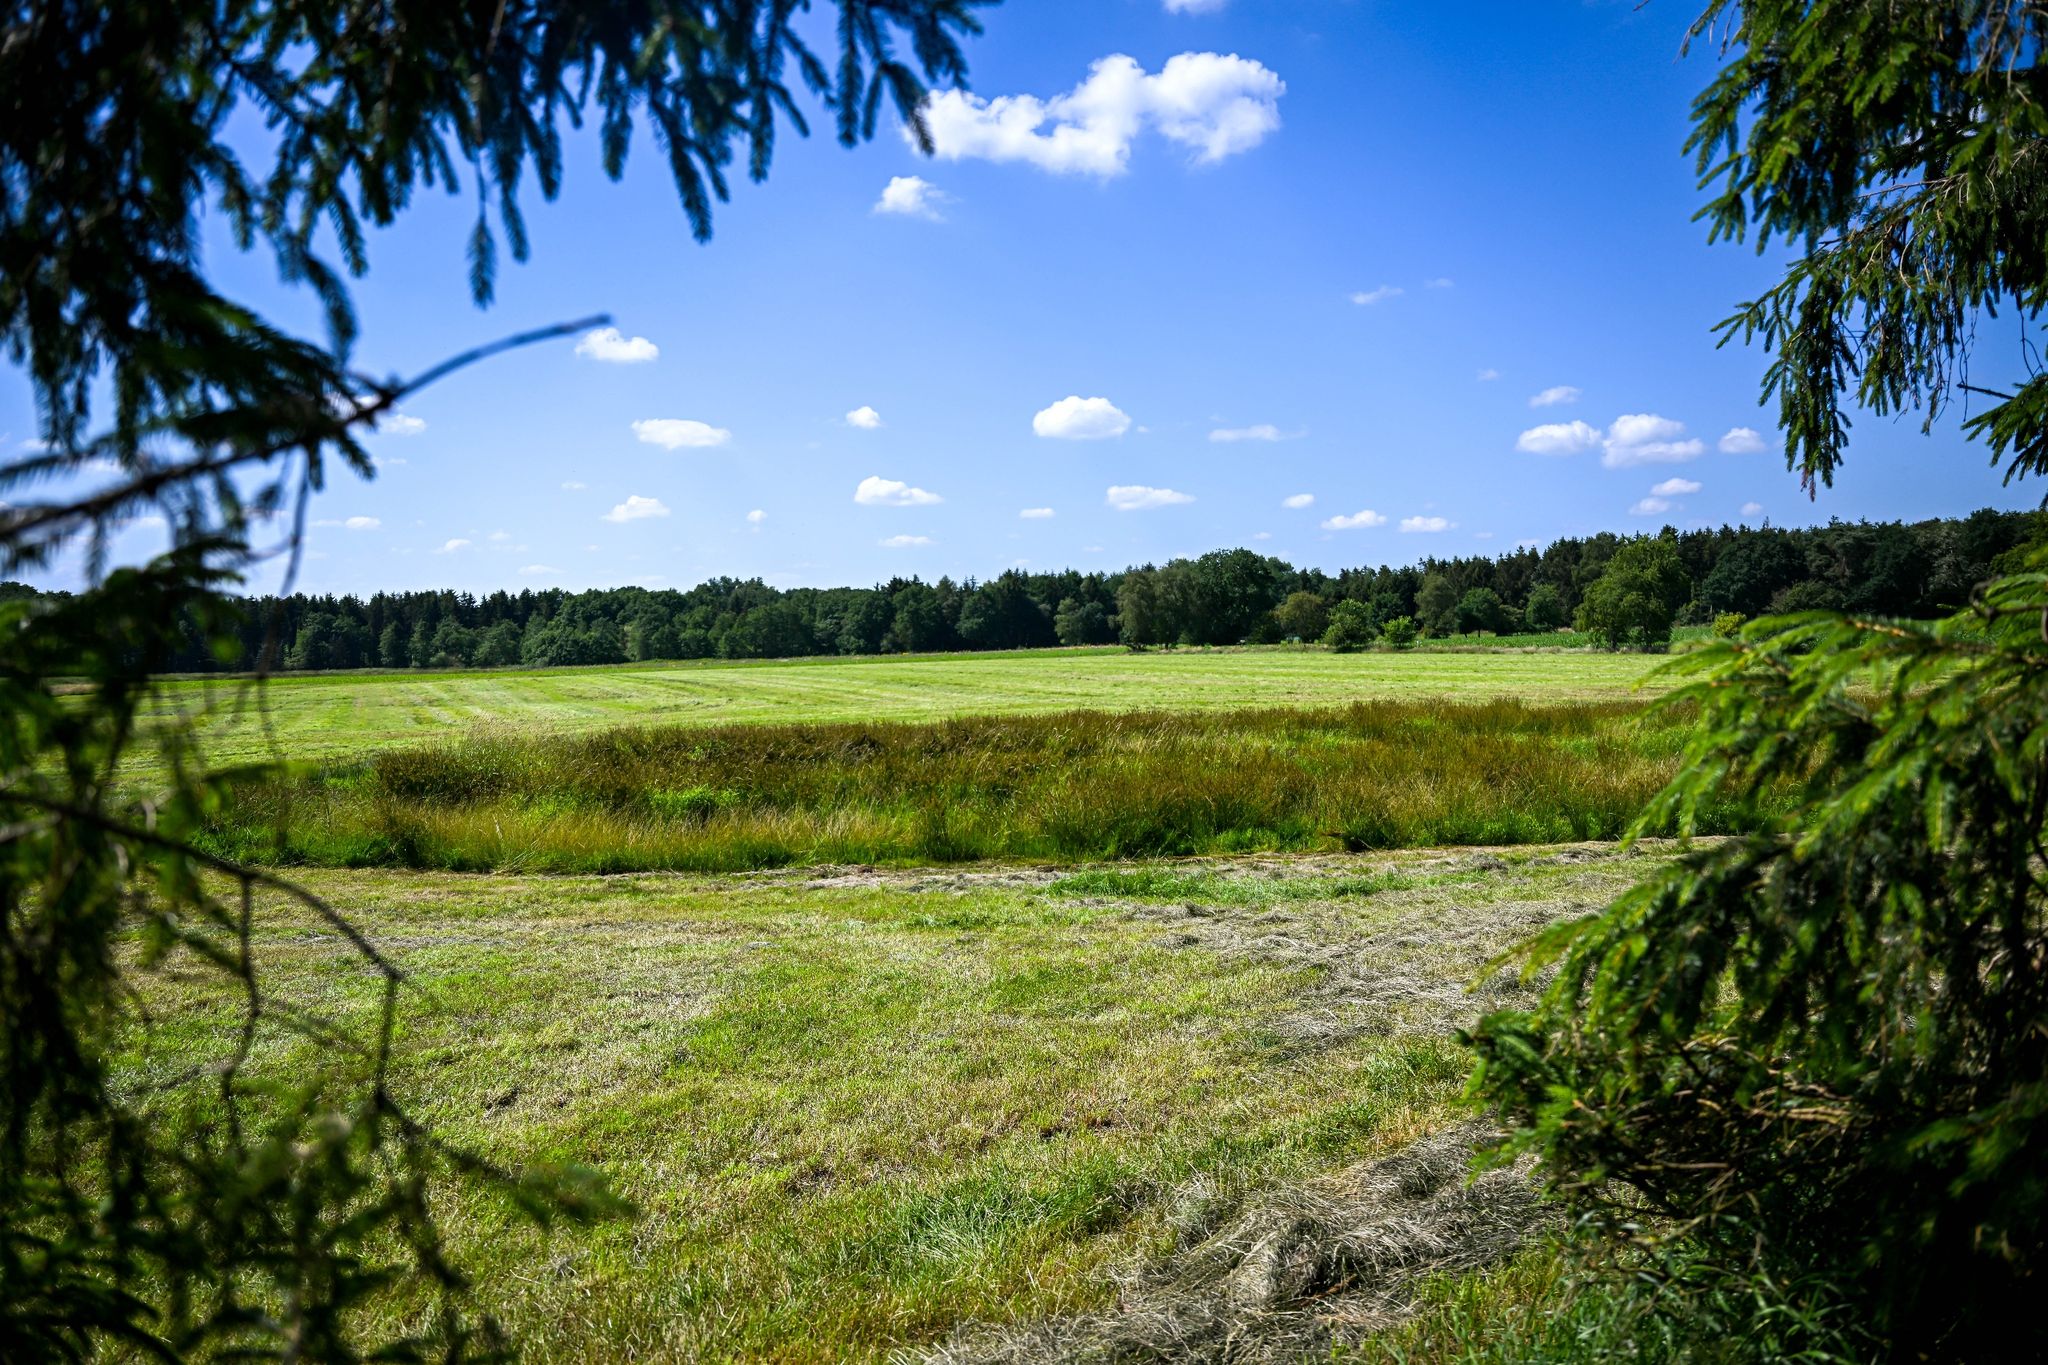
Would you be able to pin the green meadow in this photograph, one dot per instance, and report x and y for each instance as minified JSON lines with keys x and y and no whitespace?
{"x":863,"y":1116}
{"x":326,"y":716}
{"x":957,"y":1009}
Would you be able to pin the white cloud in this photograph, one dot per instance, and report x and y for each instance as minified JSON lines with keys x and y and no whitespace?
{"x":1195,"y":6}
{"x":1555,"y":395}
{"x":1645,"y":438}
{"x":499,"y":536}
{"x":399,"y":424}
{"x":876,"y":491}
{"x":636,"y":508}
{"x":1262,"y":535}
{"x":1426,"y":524}
{"x":531,"y":569}
{"x":1558,"y":438}
{"x":864,"y":417}
{"x":1650,"y":507}
{"x":904,"y":542}
{"x":1214,"y":105}
{"x":1297,"y":501}
{"x":1264,"y":431}
{"x":1440,"y":282}
{"x":1367,"y":297}
{"x":1742,"y":441}
{"x":1357,"y":521}
{"x":1074,"y":418}
{"x":1036,"y":513}
{"x":1136,"y":497}
{"x":449,"y":547}
{"x":678,"y":432}
{"x":361,"y":523}
{"x":1752,"y":509}
{"x":574,"y":486}
{"x":1488,"y":376}
{"x":912,"y":196}
{"x":1675,"y":488}
{"x":614,"y":347}
{"x":756,"y":517}
{"x":389,"y":461}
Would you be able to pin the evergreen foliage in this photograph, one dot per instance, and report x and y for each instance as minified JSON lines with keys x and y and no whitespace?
{"x":222,"y":1212}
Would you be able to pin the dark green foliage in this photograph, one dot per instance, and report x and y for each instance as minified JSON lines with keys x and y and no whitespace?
{"x":1350,"y":628}
{"x":1303,"y":616}
{"x":1904,"y":147}
{"x":1545,"y":608}
{"x":1436,"y":604}
{"x":1637,"y":596}
{"x":1825,"y":1044}
{"x":1480,"y":611}
{"x":246,"y":1208}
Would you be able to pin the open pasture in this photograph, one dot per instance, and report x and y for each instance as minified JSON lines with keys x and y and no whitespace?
{"x":1066,"y":786}
{"x":859,"y":1112}
{"x":338,"y":715}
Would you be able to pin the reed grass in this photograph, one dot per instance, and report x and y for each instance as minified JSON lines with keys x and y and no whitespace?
{"x":1072,"y":786}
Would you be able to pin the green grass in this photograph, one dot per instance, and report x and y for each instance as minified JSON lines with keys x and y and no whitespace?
{"x":1070,"y":786}
{"x":340,"y":715}
{"x":858,"y":1113}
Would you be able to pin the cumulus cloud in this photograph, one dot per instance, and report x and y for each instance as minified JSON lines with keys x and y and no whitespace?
{"x":1357,"y":521}
{"x":614,"y":347}
{"x":1742,"y":441}
{"x":1262,"y":535}
{"x":1214,"y":105}
{"x":1440,"y":282}
{"x":904,"y":542}
{"x":1752,"y":509}
{"x":574,"y":486}
{"x":1426,"y":524}
{"x":1558,"y":438}
{"x":756,"y":517}
{"x":1297,"y":501}
{"x":1035,"y":513}
{"x":1074,"y":418}
{"x":531,"y":569}
{"x":1554,"y":396}
{"x":864,"y":417}
{"x":1650,"y":507}
{"x":1365,"y":298}
{"x":1488,"y":376}
{"x":360,"y":523}
{"x":876,"y":491}
{"x":399,"y":424}
{"x":1645,"y":438}
{"x":1136,"y":497}
{"x":1675,"y":488}
{"x":1195,"y":6}
{"x":676,"y":433}
{"x":912,"y":196}
{"x":1264,"y":431}
{"x":636,"y":508}
{"x":449,"y":547}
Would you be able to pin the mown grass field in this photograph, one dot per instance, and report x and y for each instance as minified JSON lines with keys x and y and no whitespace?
{"x":337,"y":715}
{"x":860,"y":1111}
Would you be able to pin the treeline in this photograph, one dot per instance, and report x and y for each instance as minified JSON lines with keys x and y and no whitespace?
{"x":1225,"y":597}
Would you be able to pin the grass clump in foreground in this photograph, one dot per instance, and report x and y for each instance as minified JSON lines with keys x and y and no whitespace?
{"x":1072,"y":786}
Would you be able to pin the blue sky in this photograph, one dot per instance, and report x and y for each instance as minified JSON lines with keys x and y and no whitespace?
{"x":1431,"y":266}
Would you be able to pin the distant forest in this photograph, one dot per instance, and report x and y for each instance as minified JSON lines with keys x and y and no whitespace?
{"x":1224,"y":597}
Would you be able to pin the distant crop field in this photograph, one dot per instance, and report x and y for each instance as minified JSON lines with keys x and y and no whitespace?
{"x":328,"y":716}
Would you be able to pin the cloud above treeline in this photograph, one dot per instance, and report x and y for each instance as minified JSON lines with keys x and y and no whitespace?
{"x":1137,"y":497}
{"x":1215,"y":106}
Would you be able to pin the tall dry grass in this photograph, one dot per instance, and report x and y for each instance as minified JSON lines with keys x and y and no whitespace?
{"x":1081,"y":785}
